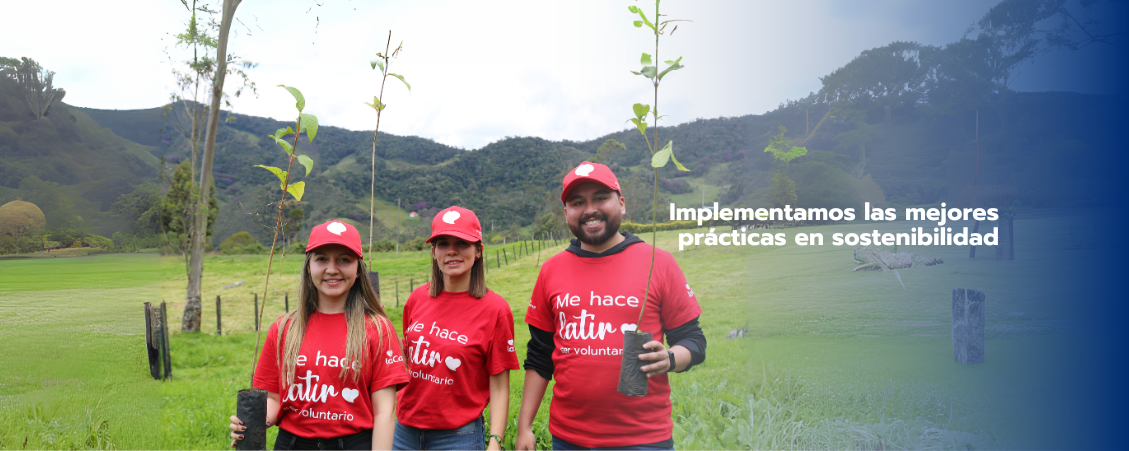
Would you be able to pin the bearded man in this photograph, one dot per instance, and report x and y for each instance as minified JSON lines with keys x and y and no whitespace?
{"x":584,"y":301}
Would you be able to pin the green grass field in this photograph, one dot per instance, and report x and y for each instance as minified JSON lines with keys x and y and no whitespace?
{"x":834,"y":359}
{"x":74,"y":372}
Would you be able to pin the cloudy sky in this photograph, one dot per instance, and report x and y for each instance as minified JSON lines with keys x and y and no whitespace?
{"x":484,"y":70}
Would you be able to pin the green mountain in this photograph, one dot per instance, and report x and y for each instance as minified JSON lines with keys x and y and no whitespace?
{"x":1032,"y":142}
{"x":67,"y":164}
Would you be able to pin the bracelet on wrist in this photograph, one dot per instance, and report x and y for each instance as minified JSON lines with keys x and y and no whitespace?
{"x":488,"y":437}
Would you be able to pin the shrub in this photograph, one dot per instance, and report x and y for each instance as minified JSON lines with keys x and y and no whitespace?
{"x":23,"y":223}
{"x":238,"y":240}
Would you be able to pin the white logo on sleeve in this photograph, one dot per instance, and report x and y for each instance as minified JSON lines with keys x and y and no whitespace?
{"x":392,"y":358}
{"x":689,"y":291}
{"x":584,"y":169}
{"x":511,"y":343}
{"x":350,"y":394}
{"x":335,"y":228}
{"x":450,"y":217}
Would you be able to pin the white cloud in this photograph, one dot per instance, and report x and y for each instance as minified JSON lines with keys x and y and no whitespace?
{"x":481,"y":71}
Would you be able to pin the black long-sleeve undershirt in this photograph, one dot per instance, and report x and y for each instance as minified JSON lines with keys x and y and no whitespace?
{"x":539,"y":351}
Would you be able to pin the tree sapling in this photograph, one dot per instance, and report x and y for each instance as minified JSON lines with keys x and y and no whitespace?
{"x":252,"y":402}
{"x":632,"y":380}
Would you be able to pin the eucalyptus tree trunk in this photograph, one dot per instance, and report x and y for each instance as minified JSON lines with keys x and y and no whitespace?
{"x":192,"y":306}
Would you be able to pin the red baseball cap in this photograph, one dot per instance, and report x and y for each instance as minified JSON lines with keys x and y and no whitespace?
{"x":588,"y":172}
{"x":457,"y":222}
{"x":336,"y":232}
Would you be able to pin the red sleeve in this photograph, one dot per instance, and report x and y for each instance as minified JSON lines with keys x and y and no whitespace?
{"x":502,"y":355}
{"x":266,"y":371}
{"x":540,"y":314}
{"x":387,"y":356}
{"x":679,"y":304}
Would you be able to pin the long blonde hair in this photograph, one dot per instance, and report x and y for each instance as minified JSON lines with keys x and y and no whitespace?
{"x":362,"y":304}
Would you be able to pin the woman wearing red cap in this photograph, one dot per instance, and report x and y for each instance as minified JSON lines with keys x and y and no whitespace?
{"x":460,"y":346}
{"x":332,"y":374}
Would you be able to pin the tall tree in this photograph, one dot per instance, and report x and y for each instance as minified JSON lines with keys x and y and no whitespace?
{"x":192,"y":306}
{"x":783,"y":150}
{"x":177,"y":209}
{"x":37,"y":84}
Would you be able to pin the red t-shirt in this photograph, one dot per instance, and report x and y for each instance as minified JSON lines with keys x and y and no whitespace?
{"x":319,"y":404}
{"x":586,"y":302}
{"x":453,"y":344}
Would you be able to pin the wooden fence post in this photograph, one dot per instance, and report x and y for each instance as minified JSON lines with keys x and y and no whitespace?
{"x":397,"y":292}
{"x":165,"y":341}
{"x":286,"y":302}
{"x":411,"y":284}
{"x":506,"y":257}
{"x":151,"y":347}
{"x":374,"y":279}
{"x":968,"y":325}
{"x":219,"y":318}
{"x":497,"y":259}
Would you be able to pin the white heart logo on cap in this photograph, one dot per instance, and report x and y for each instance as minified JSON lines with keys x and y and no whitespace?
{"x":450,"y":217}
{"x":335,"y":228}
{"x":585,"y":169}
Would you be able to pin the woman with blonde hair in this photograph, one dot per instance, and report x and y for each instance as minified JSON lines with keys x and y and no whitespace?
{"x":332,"y":366}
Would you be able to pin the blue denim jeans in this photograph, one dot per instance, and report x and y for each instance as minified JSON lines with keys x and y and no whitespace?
{"x":665,"y":445}
{"x":471,"y":436}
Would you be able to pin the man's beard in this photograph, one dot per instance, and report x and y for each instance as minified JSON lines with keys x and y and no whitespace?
{"x":611,"y":227}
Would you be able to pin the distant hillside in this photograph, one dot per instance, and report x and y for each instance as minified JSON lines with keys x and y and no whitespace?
{"x":1031,"y":141}
{"x":67,"y":164}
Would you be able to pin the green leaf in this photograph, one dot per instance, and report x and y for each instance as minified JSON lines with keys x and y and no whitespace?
{"x":297,"y":189}
{"x":674,"y":65}
{"x":641,"y":110}
{"x":633,"y":9}
{"x":676,"y":163}
{"x":645,"y":60}
{"x":286,"y":147}
{"x":301,"y":104}
{"x":309,"y":125}
{"x":278,"y":134}
{"x":640,"y":124}
{"x":638,"y":24}
{"x":401,"y":77}
{"x":377,"y":63}
{"x":650,"y":71}
{"x":660,"y":158}
{"x":277,"y":173}
{"x":644,"y":17}
{"x":307,"y":162}
{"x":376,"y":105}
